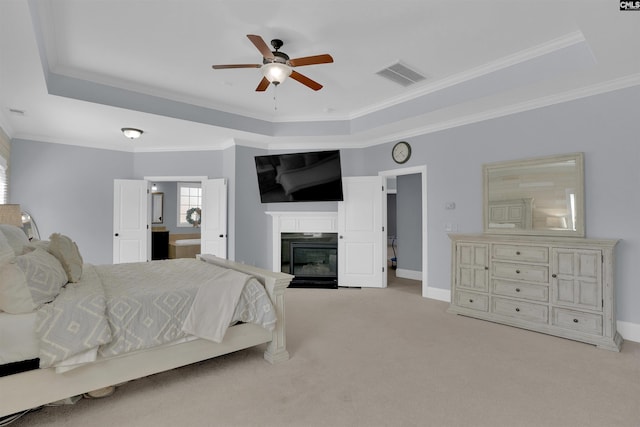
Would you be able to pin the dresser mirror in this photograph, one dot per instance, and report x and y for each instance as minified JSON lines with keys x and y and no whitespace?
{"x":541,"y":196}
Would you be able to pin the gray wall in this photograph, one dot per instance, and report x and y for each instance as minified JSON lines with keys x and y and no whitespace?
{"x":599,"y":126}
{"x":409,"y":222}
{"x":392,"y":217}
{"x":252,"y":245}
{"x":52,"y":180}
{"x":69,"y":190}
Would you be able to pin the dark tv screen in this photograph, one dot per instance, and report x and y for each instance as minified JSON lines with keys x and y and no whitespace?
{"x":300,"y":177}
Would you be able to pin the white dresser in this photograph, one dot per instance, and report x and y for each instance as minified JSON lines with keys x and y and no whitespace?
{"x":561,"y":286}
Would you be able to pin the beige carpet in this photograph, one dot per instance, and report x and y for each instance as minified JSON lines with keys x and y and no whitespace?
{"x":382,"y":357}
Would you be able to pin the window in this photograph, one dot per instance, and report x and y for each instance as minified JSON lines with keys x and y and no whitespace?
{"x":3,"y":181}
{"x":189,"y":196}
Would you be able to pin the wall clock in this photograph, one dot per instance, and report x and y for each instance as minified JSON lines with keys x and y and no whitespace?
{"x":401,"y":152}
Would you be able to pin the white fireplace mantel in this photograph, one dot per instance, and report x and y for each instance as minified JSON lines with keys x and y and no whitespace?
{"x":299,"y":222}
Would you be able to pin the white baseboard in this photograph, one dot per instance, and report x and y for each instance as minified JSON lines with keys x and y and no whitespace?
{"x":629,"y":331}
{"x":437,"y":294}
{"x":408,"y":274}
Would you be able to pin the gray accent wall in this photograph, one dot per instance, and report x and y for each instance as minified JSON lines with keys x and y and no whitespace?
{"x":409,"y":222}
{"x":70,"y":189}
{"x":252,"y":231}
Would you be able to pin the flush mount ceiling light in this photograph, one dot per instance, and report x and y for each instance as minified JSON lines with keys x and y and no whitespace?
{"x":132,"y":133}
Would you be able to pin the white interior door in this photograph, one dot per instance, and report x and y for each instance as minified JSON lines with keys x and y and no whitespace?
{"x":131,"y":218}
{"x":213,"y":232}
{"x":360,"y":232}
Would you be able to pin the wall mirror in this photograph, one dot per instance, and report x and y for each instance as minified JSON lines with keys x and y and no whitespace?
{"x":157,"y":202}
{"x":541,"y":196}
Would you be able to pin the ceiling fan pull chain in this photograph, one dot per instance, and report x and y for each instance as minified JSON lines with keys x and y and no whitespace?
{"x":275,"y":97}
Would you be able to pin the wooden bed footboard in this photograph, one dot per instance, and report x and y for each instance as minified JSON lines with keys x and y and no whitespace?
{"x":31,"y":389}
{"x":275,"y":283}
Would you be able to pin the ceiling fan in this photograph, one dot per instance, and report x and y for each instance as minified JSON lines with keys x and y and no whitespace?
{"x":277,"y":66}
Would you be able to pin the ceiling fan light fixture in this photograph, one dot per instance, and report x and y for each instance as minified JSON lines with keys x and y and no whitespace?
{"x":132,"y":133}
{"x":275,"y":72}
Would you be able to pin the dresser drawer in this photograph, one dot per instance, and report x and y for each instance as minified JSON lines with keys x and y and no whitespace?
{"x":577,"y":321}
{"x":521,"y":253}
{"x":472,"y":300}
{"x":512,"y":270}
{"x":527,"y":291}
{"x":521,"y":310}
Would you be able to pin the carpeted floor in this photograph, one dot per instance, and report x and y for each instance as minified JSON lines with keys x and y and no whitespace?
{"x":382,"y":357}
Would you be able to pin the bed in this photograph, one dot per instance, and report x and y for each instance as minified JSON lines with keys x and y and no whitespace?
{"x":117,"y":346}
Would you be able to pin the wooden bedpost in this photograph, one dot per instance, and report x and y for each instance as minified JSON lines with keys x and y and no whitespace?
{"x":277,"y":348}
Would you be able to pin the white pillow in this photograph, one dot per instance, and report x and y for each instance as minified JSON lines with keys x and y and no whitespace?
{"x":29,"y":281}
{"x":67,"y":252}
{"x":16,"y":237}
{"x":6,"y":251}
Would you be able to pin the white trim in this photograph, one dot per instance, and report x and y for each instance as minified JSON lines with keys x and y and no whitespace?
{"x":403,"y":273}
{"x":438,"y":294}
{"x":551,"y":46}
{"x":176,"y":178}
{"x":302,"y":221}
{"x":629,"y":331}
{"x":422,"y":170}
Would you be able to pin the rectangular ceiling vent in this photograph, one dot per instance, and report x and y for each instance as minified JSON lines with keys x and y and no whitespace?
{"x":401,"y":74}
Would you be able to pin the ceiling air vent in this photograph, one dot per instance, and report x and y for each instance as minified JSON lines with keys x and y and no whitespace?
{"x":401,"y":74}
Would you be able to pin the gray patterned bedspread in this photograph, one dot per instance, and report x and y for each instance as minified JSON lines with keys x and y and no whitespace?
{"x":127,"y":307}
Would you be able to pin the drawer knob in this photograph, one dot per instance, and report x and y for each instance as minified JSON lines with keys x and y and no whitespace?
{"x":486,"y":267}
{"x":554,"y":275}
{"x":471,"y":301}
{"x":517,"y":309}
{"x":518,"y":253}
{"x":517,"y":289}
{"x":517,"y":271}
{"x":575,"y":320}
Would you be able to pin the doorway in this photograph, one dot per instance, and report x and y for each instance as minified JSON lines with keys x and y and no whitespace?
{"x":422,"y":172}
{"x":132,"y":217}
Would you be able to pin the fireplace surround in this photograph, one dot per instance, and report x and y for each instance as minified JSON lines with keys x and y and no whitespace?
{"x":310,"y":228}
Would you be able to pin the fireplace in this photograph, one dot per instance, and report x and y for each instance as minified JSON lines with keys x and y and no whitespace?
{"x":308,"y":227}
{"x":312,"y":258}
{"x":314,"y":264}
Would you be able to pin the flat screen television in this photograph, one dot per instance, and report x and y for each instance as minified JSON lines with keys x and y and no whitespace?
{"x":300,"y":177}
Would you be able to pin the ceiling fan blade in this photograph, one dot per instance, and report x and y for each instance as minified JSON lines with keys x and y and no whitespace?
{"x":221,"y":67}
{"x":311,"y":60}
{"x":305,"y":80}
{"x":261,"y":45}
{"x":263,"y":85}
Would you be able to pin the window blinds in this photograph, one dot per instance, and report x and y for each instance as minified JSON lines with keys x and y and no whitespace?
{"x":3,"y":181}
{"x":5,"y":150}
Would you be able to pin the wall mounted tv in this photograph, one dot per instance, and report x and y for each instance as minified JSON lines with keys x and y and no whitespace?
{"x":300,"y":177}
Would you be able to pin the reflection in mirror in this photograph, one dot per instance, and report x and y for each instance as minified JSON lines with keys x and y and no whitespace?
{"x":157,"y":201}
{"x":543,"y":196}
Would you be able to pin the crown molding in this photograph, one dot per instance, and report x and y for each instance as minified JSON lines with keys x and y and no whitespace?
{"x":473,"y":73}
